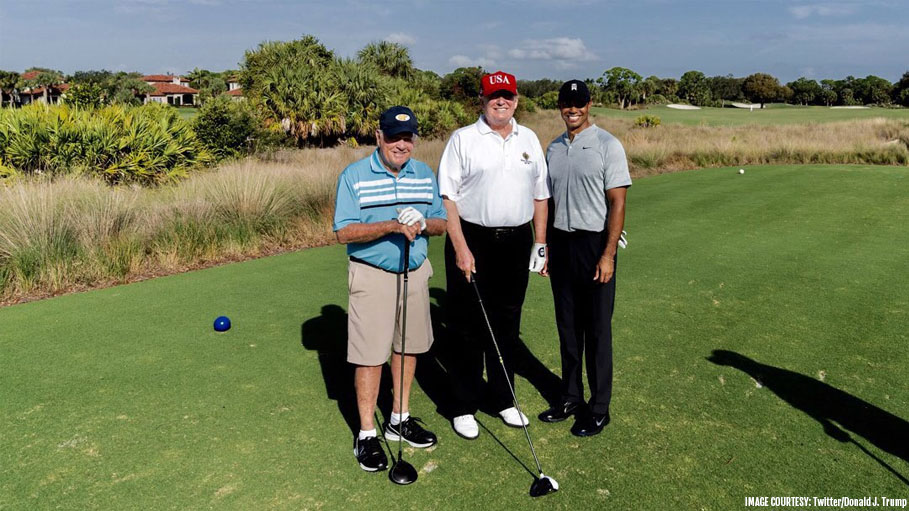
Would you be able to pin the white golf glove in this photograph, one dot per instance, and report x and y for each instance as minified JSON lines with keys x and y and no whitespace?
{"x":622,"y":241}
{"x":409,"y":216}
{"x":537,"y":257}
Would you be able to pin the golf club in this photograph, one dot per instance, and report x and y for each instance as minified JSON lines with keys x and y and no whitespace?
{"x":402,"y":472}
{"x":543,"y":484}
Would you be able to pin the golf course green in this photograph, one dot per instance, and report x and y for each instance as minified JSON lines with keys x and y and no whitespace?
{"x":771,"y":115}
{"x":761,"y":332}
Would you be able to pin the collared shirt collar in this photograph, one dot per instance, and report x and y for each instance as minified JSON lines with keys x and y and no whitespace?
{"x":485,"y":129}
{"x":376,"y":165}
{"x":584,"y":132}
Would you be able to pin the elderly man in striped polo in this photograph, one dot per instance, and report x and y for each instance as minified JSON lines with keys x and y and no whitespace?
{"x":384,"y":201}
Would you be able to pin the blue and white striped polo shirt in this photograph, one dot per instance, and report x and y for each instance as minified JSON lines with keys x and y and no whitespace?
{"x":369,"y":193}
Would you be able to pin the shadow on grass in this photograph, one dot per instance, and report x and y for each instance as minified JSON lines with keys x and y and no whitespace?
{"x":834,"y":409}
{"x":326,"y":334}
{"x":518,"y":460}
{"x":434,"y":369}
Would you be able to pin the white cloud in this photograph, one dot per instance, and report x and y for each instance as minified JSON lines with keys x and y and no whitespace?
{"x":807,"y":11}
{"x":401,"y":38}
{"x":465,"y":61}
{"x":558,"y":48}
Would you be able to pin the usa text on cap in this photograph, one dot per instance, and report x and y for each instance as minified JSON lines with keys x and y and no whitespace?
{"x":497,"y":81}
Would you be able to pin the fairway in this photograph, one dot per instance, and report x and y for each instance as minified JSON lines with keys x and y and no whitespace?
{"x":773,"y":114}
{"x":125,"y":398}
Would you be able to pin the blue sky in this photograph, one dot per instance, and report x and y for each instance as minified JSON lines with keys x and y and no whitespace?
{"x":531,"y":38}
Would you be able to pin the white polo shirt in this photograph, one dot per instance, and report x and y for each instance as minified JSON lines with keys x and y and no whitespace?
{"x":494,"y":181}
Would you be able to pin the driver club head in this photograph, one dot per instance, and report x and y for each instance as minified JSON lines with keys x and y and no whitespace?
{"x":543,"y":485}
{"x":403,"y":473}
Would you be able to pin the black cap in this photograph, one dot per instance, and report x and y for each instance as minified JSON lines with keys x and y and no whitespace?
{"x":574,"y":93}
{"x":398,"y":119}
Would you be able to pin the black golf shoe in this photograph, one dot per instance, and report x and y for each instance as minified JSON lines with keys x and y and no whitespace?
{"x":412,"y":431}
{"x":559,"y":412}
{"x":370,"y":454}
{"x":590,"y":424}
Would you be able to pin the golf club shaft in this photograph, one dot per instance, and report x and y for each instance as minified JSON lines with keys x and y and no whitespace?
{"x":514,"y":396}
{"x":403,"y":344}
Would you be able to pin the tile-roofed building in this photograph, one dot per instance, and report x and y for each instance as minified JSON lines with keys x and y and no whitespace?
{"x":170,"y":89}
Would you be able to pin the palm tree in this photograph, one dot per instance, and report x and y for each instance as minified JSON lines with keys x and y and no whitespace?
{"x":389,"y":58}
{"x":8,"y":81}
{"x":367,"y":94}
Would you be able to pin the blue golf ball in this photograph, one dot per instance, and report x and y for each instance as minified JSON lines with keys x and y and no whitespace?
{"x":222,"y":324}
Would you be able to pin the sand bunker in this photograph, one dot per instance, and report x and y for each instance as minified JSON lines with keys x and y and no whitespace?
{"x":683,"y":107}
{"x":749,"y":106}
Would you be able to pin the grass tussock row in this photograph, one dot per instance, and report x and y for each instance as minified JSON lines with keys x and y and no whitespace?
{"x":673,"y":147}
{"x":67,"y":233}
{"x":76,"y":233}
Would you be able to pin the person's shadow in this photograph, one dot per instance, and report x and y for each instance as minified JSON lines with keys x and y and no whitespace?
{"x":327,"y":336}
{"x":834,"y":409}
{"x":434,"y":368}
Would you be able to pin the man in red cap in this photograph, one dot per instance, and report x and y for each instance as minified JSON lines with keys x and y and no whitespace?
{"x":493,"y":181}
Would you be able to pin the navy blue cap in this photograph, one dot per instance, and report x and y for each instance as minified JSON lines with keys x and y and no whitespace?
{"x":398,"y":119}
{"x":575,"y":93}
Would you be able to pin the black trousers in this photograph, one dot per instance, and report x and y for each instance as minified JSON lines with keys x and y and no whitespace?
{"x":501,"y":256}
{"x":583,"y":310}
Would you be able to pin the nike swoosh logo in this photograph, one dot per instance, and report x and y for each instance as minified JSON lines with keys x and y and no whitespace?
{"x":600,"y":422}
{"x":582,"y":147}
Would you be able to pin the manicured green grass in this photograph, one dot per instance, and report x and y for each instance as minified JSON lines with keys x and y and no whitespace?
{"x":187,"y":112}
{"x":125,"y":398}
{"x":774,"y":114}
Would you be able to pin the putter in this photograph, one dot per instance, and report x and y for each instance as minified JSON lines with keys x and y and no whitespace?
{"x":542,"y":484}
{"x":402,"y":472}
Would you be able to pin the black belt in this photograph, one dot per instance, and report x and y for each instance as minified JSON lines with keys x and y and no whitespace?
{"x":496,"y":232}
{"x":358,"y":260}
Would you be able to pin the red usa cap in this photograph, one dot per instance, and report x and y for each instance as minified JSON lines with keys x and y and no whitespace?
{"x":499,"y":81}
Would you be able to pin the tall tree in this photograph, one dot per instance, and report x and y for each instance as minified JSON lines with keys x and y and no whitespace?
{"x":694,"y":88}
{"x":649,"y":86}
{"x":874,"y":89}
{"x":901,"y":90}
{"x":725,"y":88}
{"x":8,"y":81}
{"x":805,"y":91}
{"x":828,"y":92}
{"x":762,"y":88}
{"x":294,"y":85}
{"x":622,"y":83}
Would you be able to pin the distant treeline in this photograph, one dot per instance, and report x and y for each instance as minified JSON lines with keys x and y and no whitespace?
{"x":299,"y":93}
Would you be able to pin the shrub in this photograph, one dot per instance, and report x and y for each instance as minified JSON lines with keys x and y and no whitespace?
{"x":225,"y":126}
{"x":657,"y":99}
{"x":549,"y":100}
{"x":647,"y":121}
{"x":439,"y":118}
{"x":150,"y":144}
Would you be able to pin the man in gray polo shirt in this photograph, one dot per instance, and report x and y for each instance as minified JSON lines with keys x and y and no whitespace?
{"x":588,"y":177}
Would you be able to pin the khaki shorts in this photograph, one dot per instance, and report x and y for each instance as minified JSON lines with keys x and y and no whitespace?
{"x":374,"y":313}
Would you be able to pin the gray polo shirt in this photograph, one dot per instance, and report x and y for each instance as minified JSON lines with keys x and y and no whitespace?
{"x":580,"y":172}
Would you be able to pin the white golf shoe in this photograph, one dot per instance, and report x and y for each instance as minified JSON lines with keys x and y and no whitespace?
{"x":466,"y":426}
{"x":512,"y":417}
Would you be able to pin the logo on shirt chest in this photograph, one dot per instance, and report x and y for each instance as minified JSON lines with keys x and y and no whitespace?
{"x":525,"y":158}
